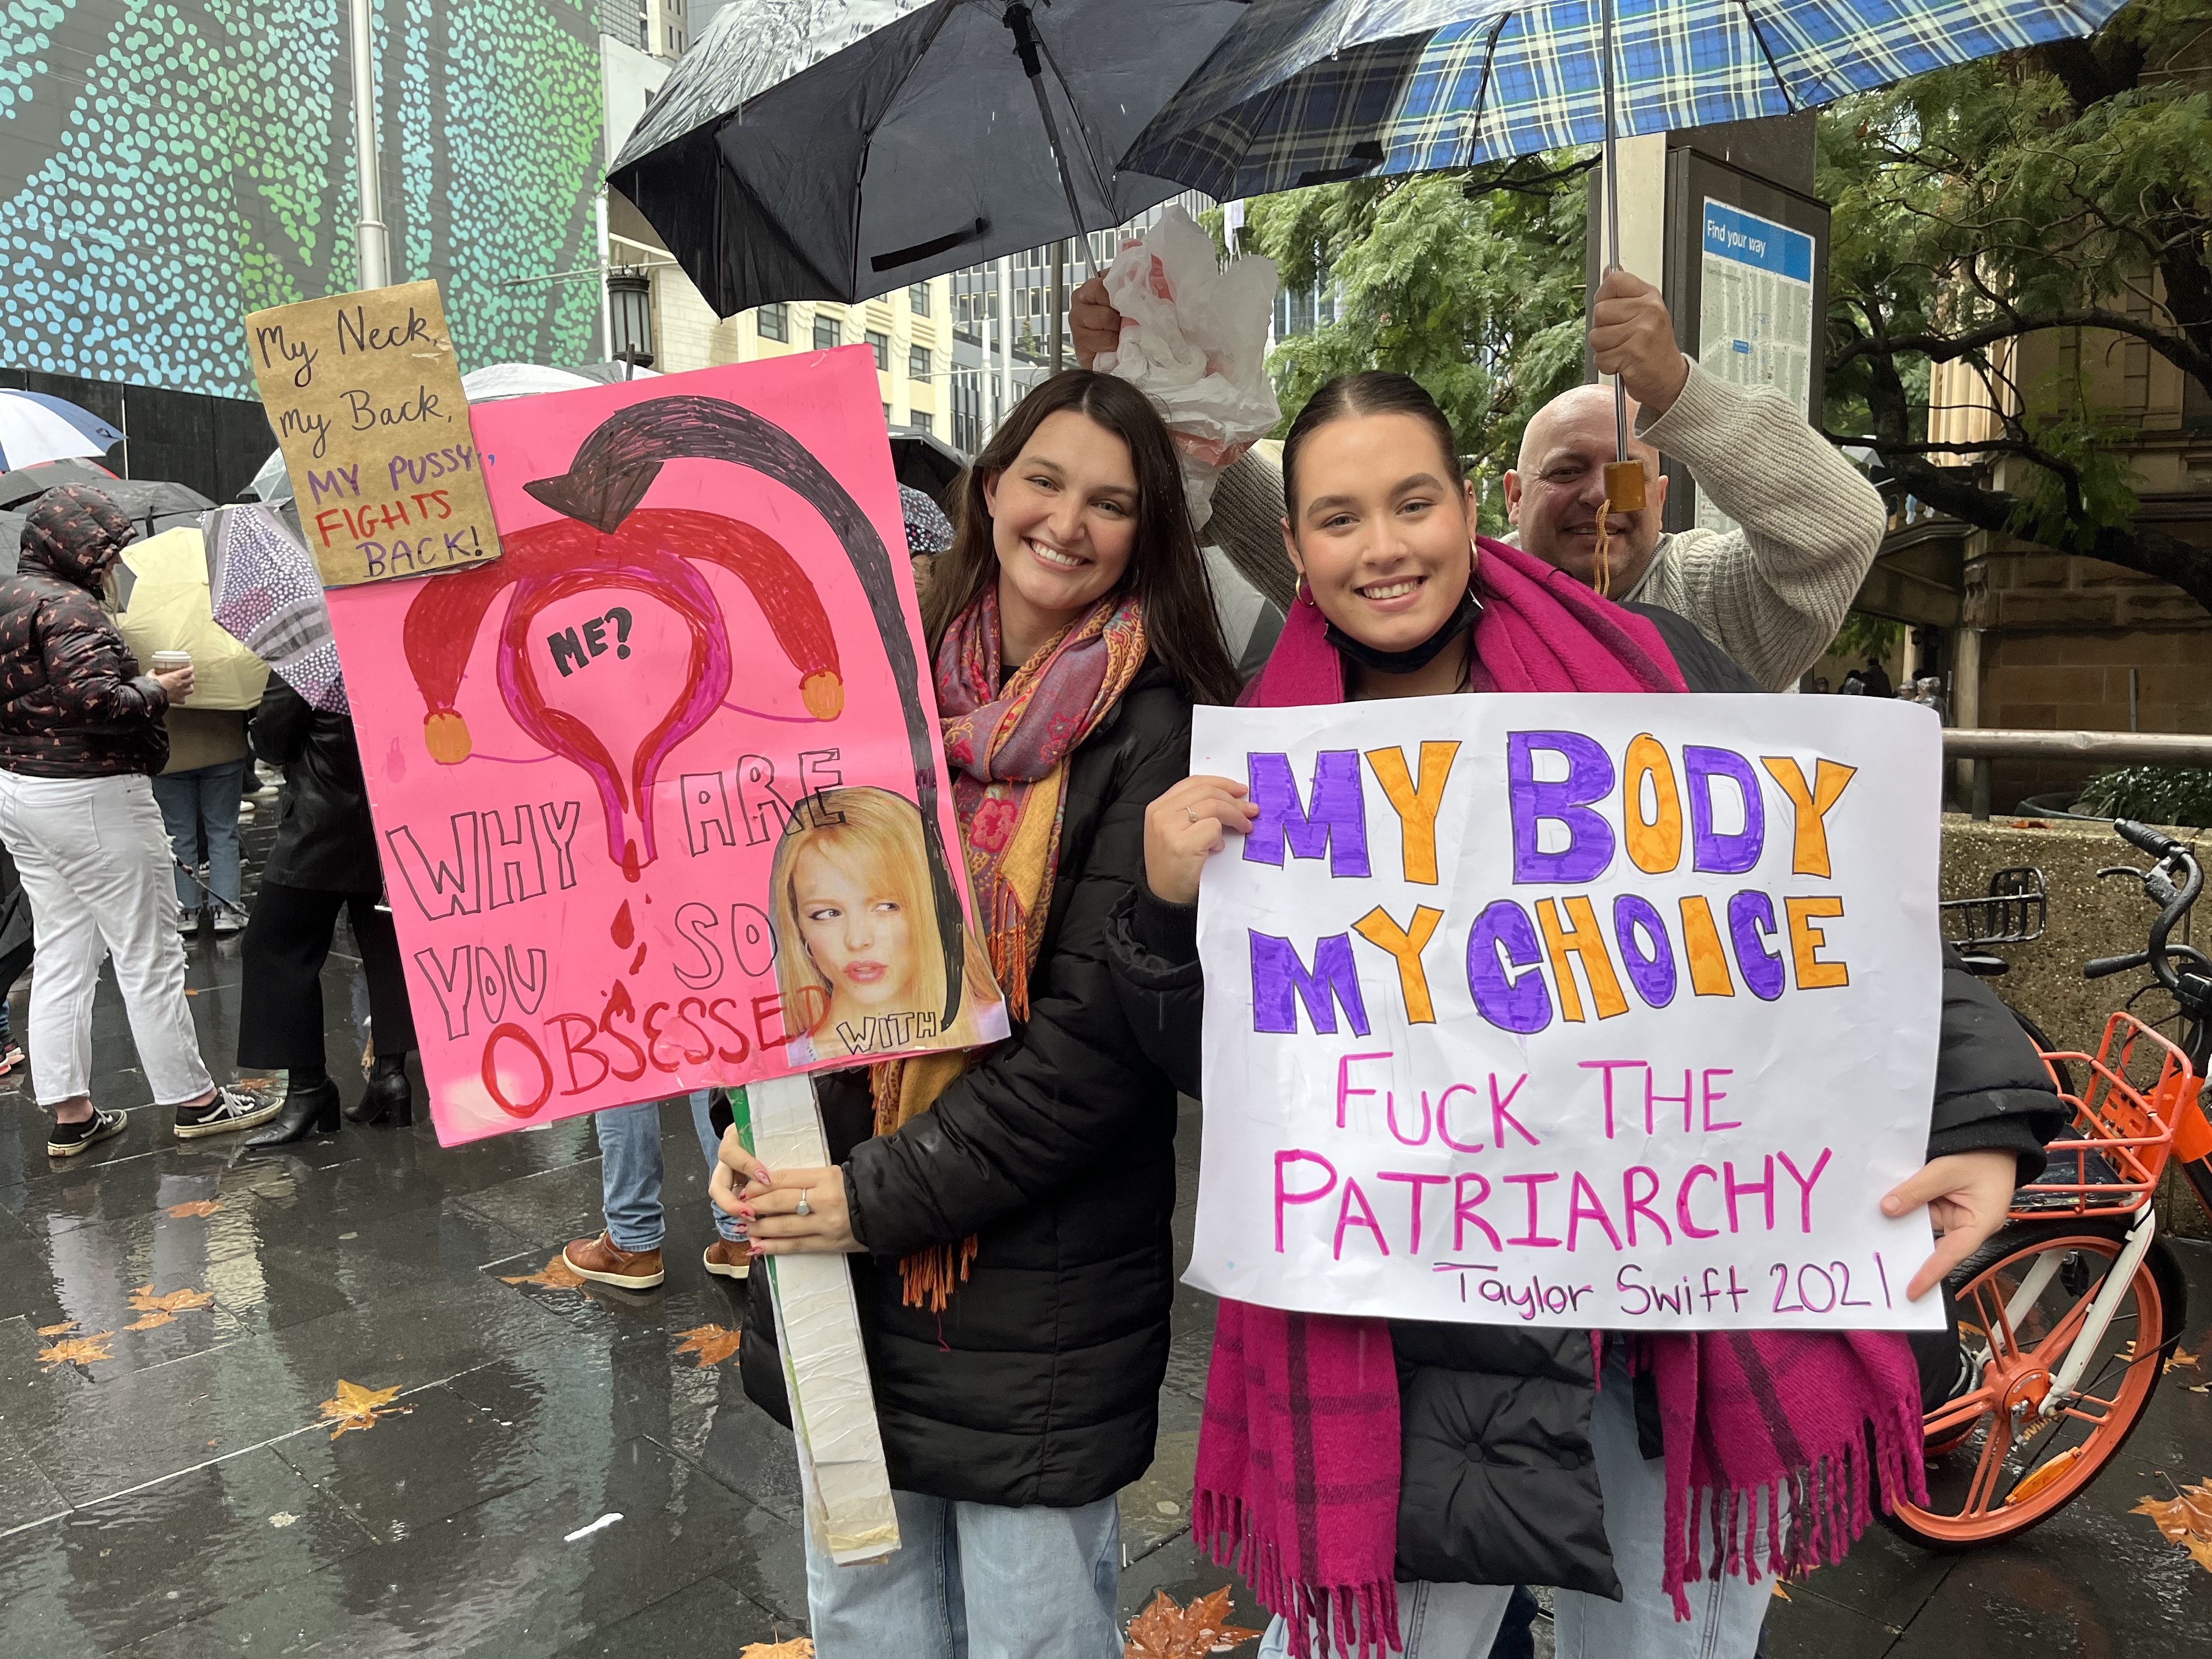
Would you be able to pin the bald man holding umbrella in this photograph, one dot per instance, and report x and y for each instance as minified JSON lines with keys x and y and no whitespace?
{"x":1770,"y":593}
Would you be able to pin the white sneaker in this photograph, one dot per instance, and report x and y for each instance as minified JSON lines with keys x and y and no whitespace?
{"x":188,"y":924}
{"x":228,"y":1111}
{"x":226,"y":922}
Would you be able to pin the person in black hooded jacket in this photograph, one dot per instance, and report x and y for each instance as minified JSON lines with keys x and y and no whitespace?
{"x":1507,"y":1474}
{"x":324,"y":861}
{"x":1009,"y":1217}
{"x":81,"y":737}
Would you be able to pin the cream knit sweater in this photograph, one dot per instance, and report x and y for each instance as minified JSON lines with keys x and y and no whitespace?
{"x":1771,"y":594}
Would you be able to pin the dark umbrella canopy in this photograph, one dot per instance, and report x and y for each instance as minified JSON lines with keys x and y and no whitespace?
{"x":150,"y":504}
{"x":790,"y":158}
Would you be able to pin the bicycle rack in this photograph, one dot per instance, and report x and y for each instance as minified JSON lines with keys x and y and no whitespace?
{"x":2012,"y":911}
{"x":2121,"y":1135}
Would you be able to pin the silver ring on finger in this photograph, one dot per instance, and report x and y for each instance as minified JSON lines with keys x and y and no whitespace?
{"x":1191,"y":814}
{"x":805,"y":1208}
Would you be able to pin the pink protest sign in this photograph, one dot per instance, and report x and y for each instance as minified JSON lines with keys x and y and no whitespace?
{"x":659,"y":792}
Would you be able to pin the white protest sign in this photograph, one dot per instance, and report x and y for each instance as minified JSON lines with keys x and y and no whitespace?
{"x":1617,"y":1012}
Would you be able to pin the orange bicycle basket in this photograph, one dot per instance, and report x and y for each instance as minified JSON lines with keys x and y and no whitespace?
{"x":2141,"y":1091}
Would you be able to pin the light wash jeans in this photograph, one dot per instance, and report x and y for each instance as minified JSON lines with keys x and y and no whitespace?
{"x":630,"y":1172}
{"x":94,"y":862}
{"x":975,"y":1581}
{"x":1460,"y":1621}
{"x":208,"y":795}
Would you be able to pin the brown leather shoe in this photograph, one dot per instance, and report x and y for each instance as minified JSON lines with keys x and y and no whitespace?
{"x":598,"y":1260}
{"x":731,"y":1261}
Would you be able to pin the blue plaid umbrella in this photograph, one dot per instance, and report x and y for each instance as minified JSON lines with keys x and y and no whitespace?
{"x":1307,"y":92}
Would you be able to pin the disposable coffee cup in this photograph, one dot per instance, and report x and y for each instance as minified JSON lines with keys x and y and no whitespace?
{"x":168,"y":662}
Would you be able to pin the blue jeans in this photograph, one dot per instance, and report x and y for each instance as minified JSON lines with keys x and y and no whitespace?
{"x":208,"y":795}
{"x":975,"y":1581}
{"x":630,"y":1173}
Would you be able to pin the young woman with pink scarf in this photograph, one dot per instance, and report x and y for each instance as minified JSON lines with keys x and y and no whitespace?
{"x":1008,"y":1209}
{"x":1383,"y":1485}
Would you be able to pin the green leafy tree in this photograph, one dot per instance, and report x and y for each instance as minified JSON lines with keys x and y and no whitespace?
{"x":1470,"y":281}
{"x":2063,"y":188}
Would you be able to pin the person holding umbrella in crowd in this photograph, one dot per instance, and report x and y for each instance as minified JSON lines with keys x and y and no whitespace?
{"x":1770,"y":593}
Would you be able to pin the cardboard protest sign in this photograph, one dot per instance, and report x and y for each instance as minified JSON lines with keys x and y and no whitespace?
{"x":843,"y":1482}
{"x":659,"y":792}
{"x":365,"y":399}
{"x":1606,"y":1011}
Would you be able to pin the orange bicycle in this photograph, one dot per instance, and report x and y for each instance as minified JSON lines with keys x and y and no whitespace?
{"x":2066,"y":1317}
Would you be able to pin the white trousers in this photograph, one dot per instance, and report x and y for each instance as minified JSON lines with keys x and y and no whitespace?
{"x":95,"y":859}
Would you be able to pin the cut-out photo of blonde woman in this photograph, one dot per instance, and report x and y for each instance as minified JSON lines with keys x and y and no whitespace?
{"x":857,"y":956}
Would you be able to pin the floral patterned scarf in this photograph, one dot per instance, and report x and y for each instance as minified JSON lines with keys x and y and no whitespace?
{"x":1008,"y":748}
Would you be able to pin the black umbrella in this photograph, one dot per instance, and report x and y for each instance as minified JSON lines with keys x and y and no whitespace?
{"x":152,"y":504}
{"x":808,"y":149}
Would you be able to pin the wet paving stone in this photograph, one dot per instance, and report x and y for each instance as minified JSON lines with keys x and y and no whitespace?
{"x":505,"y":1578}
{"x":435,"y":1455}
{"x":675,"y":1624}
{"x":116,"y":1572}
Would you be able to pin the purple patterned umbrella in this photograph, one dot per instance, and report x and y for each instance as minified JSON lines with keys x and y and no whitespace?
{"x":268,"y":596}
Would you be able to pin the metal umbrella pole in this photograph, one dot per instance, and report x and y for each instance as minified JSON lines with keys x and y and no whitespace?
{"x":1624,"y":478}
{"x":1032,"y":53}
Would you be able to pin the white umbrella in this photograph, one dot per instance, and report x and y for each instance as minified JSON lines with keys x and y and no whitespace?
{"x":35,"y":428}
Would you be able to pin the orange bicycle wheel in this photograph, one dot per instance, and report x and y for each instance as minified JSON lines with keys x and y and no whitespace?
{"x":1996,"y":1465}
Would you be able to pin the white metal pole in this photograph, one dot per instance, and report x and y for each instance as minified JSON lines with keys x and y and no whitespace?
{"x":1006,"y":336}
{"x":375,"y":263}
{"x":606,"y":306}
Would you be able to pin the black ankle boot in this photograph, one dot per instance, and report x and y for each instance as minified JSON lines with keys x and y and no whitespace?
{"x":388,"y":1094}
{"x":310,"y":1108}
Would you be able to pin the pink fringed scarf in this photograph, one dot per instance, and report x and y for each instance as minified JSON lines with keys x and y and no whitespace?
{"x":1299,"y":1452}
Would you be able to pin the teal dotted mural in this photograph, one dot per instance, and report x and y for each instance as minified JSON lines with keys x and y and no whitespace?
{"x":167,"y":166}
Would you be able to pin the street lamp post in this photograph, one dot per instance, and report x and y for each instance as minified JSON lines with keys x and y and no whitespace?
{"x":375,"y":257}
{"x":629,"y":314}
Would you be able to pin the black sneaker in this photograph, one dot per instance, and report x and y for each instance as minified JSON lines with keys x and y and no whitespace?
{"x":67,"y":1140}
{"x":228,"y":1110}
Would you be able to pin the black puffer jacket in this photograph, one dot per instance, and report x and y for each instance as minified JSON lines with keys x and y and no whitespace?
{"x":72,"y":701}
{"x":325,"y":841}
{"x":1040,"y":1382}
{"x":1498,"y":1484}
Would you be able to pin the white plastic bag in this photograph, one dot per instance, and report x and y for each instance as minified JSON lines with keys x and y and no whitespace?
{"x":1195,"y":339}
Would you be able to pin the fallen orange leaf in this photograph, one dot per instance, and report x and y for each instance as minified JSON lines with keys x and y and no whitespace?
{"x":55,"y":1330}
{"x":78,"y":1350}
{"x":2181,"y":1357}
{"x":142,"y":1300}
{"x":1164,"y":1631}
{"x":711,"y":1343}
{"x":197,"y":1207}
{"x":151,"y":1322}
{"x":799,"y":1647}
{"x":555,"y":1275}
{"x":1779,"y":1591}
{"x":355,"y":1407}
{"x":2185,"y":1519}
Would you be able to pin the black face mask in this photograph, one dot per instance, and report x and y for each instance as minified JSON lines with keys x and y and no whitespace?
{"x":1414,"y":658}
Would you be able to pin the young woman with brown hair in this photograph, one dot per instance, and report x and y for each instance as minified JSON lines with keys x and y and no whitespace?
{"x":1008,"y":1208}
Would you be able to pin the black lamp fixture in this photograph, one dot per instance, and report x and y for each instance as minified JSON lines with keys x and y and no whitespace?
{"x":629,"y":312}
